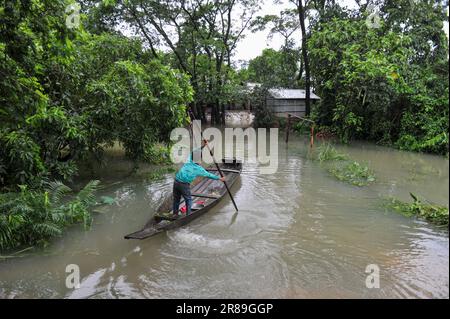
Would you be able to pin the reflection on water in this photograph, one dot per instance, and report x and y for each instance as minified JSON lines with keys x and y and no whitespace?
{"x":298,"y":234}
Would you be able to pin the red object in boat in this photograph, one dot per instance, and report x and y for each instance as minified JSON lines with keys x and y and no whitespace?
{"x":199,"y":202}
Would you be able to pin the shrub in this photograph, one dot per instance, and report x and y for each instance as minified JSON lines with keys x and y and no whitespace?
{"x":328,"y":153}
{"x":33,"y":216}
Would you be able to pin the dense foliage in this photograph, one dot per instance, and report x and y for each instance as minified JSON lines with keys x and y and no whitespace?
{"x":375,"y":87}
{"x":67,"y":93}
{"x":386,"y":83}
{"x":33,"y":216}
{"x":200,"y":36}
{"x":271,"y":68}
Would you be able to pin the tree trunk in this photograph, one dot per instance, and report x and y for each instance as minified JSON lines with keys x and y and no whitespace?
{"x":203,"y":113}
{"x":223,"y":114}
{"x":218,"y":90}
{"x":213,"y":113}
{"x":301,"y":15}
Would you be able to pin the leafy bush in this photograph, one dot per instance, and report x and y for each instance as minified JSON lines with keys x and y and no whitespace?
{"x":387,"y":84}
{"x":33,"y":216}
{"x":160,"y":172}
{"x":139,"y":104}
{"x":302,"y":128}
{"x":157,"y":154}
{"x":428,"y":211}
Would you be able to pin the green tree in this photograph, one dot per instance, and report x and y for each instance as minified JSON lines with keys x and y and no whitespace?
{"x":275,"y":68}
{"x":386,"y":84}
{"x":57,"y":105}
{"x":33,"y":36}
{"x":200,"y":35}
{"x":137,"y":105}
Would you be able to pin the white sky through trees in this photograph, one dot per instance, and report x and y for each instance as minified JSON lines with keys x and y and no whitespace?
{"x":253,"y":43}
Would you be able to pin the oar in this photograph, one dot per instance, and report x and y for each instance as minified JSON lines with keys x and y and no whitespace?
{"x":217,"y":165}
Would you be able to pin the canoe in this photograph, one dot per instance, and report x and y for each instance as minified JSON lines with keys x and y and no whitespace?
{"x":205,"y":195}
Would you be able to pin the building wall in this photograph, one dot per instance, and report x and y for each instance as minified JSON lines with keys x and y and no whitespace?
{"x":280,"y":107}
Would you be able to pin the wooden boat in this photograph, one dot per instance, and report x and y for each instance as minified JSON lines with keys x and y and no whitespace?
{"x":205,"y":195}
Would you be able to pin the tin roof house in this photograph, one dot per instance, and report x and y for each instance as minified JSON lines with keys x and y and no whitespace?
{"x":281,"y":101}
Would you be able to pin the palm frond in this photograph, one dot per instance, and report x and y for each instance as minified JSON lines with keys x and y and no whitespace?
{"x":59,"y":218}
{"x":57,"y":191}
{"x":6,"y":233}
{"x":20,"y":208}
{"x":46,"y":230}
{"x":86,"y":196}
{"x":32,"y":216}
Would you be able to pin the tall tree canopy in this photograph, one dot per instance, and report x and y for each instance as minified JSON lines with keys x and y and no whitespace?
{"x":386,"y":83}
{"x":66,"y":93}
{"x":201,"y":35}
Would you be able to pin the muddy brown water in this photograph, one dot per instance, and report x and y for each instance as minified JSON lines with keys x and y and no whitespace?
{"x":299,"y":233}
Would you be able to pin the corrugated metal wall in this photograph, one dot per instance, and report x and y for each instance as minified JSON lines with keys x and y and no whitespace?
{"x":280,"y":107}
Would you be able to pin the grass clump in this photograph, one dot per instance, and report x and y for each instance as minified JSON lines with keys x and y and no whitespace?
{"x":353,"y":173}
{"x":343,"y":168}
{"x":431,"y":212}
{"x":328,"y":153}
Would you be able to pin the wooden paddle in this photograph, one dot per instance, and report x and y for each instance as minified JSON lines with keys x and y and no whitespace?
{"x":217,"y":165}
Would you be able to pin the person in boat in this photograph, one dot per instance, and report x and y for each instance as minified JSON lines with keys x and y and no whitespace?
{"x":185,"y":176}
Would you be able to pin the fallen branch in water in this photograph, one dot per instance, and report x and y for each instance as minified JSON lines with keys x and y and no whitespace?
{"x":433,"y":213}
{"x":16,"y":254}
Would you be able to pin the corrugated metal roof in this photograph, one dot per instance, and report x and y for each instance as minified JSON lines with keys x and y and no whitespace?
{"x":252,"y":85}
{"x":294,"y":94}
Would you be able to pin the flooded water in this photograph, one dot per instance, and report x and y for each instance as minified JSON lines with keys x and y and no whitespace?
{"x":299,"y":233}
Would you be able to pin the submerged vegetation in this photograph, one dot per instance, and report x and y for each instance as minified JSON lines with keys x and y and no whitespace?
{"x":33,"y":216}
{"x":328,"y":153}
{"x":433,"y":213}
{"x":353,"y":173}
{"x":343,"y":168}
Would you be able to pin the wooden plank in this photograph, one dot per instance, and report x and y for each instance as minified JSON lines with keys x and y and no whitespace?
{"x":302,"y":118}
{"x":224,"y":170}
{"x":288,"y":126}
{"x":205,"y":195}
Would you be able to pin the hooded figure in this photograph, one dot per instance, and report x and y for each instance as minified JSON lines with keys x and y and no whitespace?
{"x":185,"y":176}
